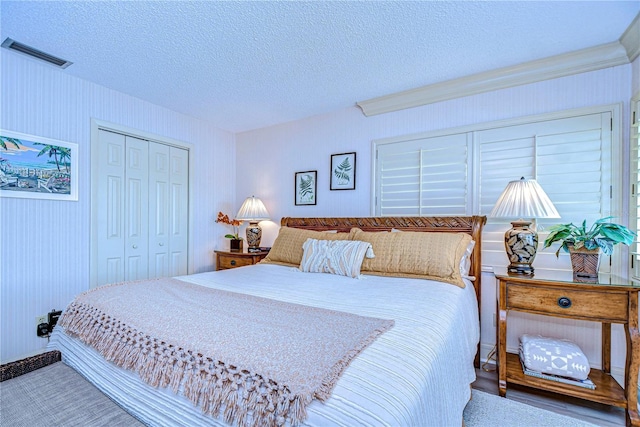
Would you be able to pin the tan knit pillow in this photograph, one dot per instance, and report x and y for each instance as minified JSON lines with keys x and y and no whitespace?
{"x":434,"y":256}
{"x":287,"y":248}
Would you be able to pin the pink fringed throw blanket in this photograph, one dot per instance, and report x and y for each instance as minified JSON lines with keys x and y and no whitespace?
{"x":250,"y":360}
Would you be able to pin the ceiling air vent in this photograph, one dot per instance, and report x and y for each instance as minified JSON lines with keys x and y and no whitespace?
{"x":35,"y":53}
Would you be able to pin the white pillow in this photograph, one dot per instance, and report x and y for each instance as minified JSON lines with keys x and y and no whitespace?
{"x":465,"y":261}
{"x":554,"y":356}
{"x":342,"y":257}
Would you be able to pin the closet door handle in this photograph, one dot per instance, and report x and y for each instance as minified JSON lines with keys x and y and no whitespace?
{"x":135,"y":246}
{"x":161,"y":244}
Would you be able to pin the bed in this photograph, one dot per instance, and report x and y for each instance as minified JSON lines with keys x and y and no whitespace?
{"x":416,"y":368}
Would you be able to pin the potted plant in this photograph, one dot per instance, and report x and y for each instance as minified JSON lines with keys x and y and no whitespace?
{"x":584,"y":245}
{"x":235,"y":242}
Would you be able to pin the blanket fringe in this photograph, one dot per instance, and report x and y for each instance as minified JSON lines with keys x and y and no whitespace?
{"x":237,"y":396}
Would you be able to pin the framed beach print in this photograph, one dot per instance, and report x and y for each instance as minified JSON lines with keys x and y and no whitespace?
{"x":34,"y":167}
{"x":343,"y":171}
{"x":306,"y":186}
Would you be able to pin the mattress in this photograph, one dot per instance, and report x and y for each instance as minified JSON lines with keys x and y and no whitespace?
{"x":416,"y":374}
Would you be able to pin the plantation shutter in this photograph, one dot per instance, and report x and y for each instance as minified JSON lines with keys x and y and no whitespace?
{"x":634,"y":200}
{"x":427,"y":177}
{"x":570,"y":159}
{"x":464,"y":173}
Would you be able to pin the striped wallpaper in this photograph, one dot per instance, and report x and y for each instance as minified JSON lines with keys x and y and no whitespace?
{"x":44,"y":244}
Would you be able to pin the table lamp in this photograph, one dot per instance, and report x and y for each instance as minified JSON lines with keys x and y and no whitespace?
{"x":523,"y":198}
{"x":253,"y":210}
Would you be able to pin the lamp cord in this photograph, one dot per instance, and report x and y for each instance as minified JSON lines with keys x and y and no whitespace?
{"x":491,"y":356}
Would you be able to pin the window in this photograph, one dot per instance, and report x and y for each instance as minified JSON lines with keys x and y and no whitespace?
{"x":463,"y":173}
{"x":634,"y":201}
{"x":424,"y":177}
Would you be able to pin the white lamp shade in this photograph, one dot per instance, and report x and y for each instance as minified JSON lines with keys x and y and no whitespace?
{"x":524,"y":198}
{"x":253,"y":209}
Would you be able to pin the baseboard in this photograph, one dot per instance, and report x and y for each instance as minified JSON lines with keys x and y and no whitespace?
{"x":21,"y":367}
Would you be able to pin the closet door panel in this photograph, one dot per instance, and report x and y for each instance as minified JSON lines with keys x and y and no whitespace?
{"x":136,"y":248}
{"x":110,"y":212}
{"x":178,"y":211}
{"x":158,"y":210}
{"x":141,"y":210}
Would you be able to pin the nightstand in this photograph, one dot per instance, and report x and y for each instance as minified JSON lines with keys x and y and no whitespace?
{"x":611,"y":300}
{"x":226,"y":259}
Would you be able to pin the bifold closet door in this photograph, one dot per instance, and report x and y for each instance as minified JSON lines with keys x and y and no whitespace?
{"x":122,"y":208}
{"x":136,"y":208}
{"x":168,"y":201}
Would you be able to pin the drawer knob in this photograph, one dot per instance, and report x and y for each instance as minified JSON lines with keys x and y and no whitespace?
{"x":564,"y":302}
{"x":233,"y":262}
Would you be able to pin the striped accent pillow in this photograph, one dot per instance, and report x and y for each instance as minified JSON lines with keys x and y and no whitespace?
{"x":287,"y":249}
{"x":342,"y":257}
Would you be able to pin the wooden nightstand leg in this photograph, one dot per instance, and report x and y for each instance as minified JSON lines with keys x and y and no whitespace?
{"x":633,"y":361}
{"x":502,"y":340}
{"x":606,"y":347}
{"x":502,"y":353}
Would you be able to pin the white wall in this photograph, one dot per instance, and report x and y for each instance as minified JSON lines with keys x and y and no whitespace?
{"x":280,"y":151}
{"x":635,"y":76}
{"x":44,"y":245}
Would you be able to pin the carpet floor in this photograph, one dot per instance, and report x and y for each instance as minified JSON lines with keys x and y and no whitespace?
{"x":58,"y":396}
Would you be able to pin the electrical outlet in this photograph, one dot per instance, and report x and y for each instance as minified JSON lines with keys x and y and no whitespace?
{"x":42,"y":319}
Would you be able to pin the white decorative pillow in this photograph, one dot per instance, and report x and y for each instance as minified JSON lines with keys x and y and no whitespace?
{"x":287,"y":248}
{"x":465,"y":261}
{"x":553,"y":356}
{"x":342,"y":257}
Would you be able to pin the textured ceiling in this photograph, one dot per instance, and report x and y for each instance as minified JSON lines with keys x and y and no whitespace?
{"x":245,"y":65}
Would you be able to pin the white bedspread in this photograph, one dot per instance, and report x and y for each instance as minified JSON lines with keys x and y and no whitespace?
{"x":416,"y":374}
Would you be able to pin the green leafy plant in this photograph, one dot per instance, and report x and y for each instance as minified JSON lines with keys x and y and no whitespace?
{"x":342,"y":171}
{"x":602,"y":234}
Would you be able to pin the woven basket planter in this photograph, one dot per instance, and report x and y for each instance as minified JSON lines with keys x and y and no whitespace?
{"x":585,"y":262}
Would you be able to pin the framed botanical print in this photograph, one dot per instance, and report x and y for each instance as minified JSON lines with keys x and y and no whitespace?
{"x":306,"y":187}
{"x":343,"y":171}
{"x":34,"y":167}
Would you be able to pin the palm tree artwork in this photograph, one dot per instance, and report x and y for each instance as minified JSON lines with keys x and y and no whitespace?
{"x":55,"y":151}
{"x":35,"y":167}
{"x":5,"y":139}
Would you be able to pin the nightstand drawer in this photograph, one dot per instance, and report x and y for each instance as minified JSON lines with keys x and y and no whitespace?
{"x":233,"y":262}
{"x":585,"y":304}
{"x":227,"y":259}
